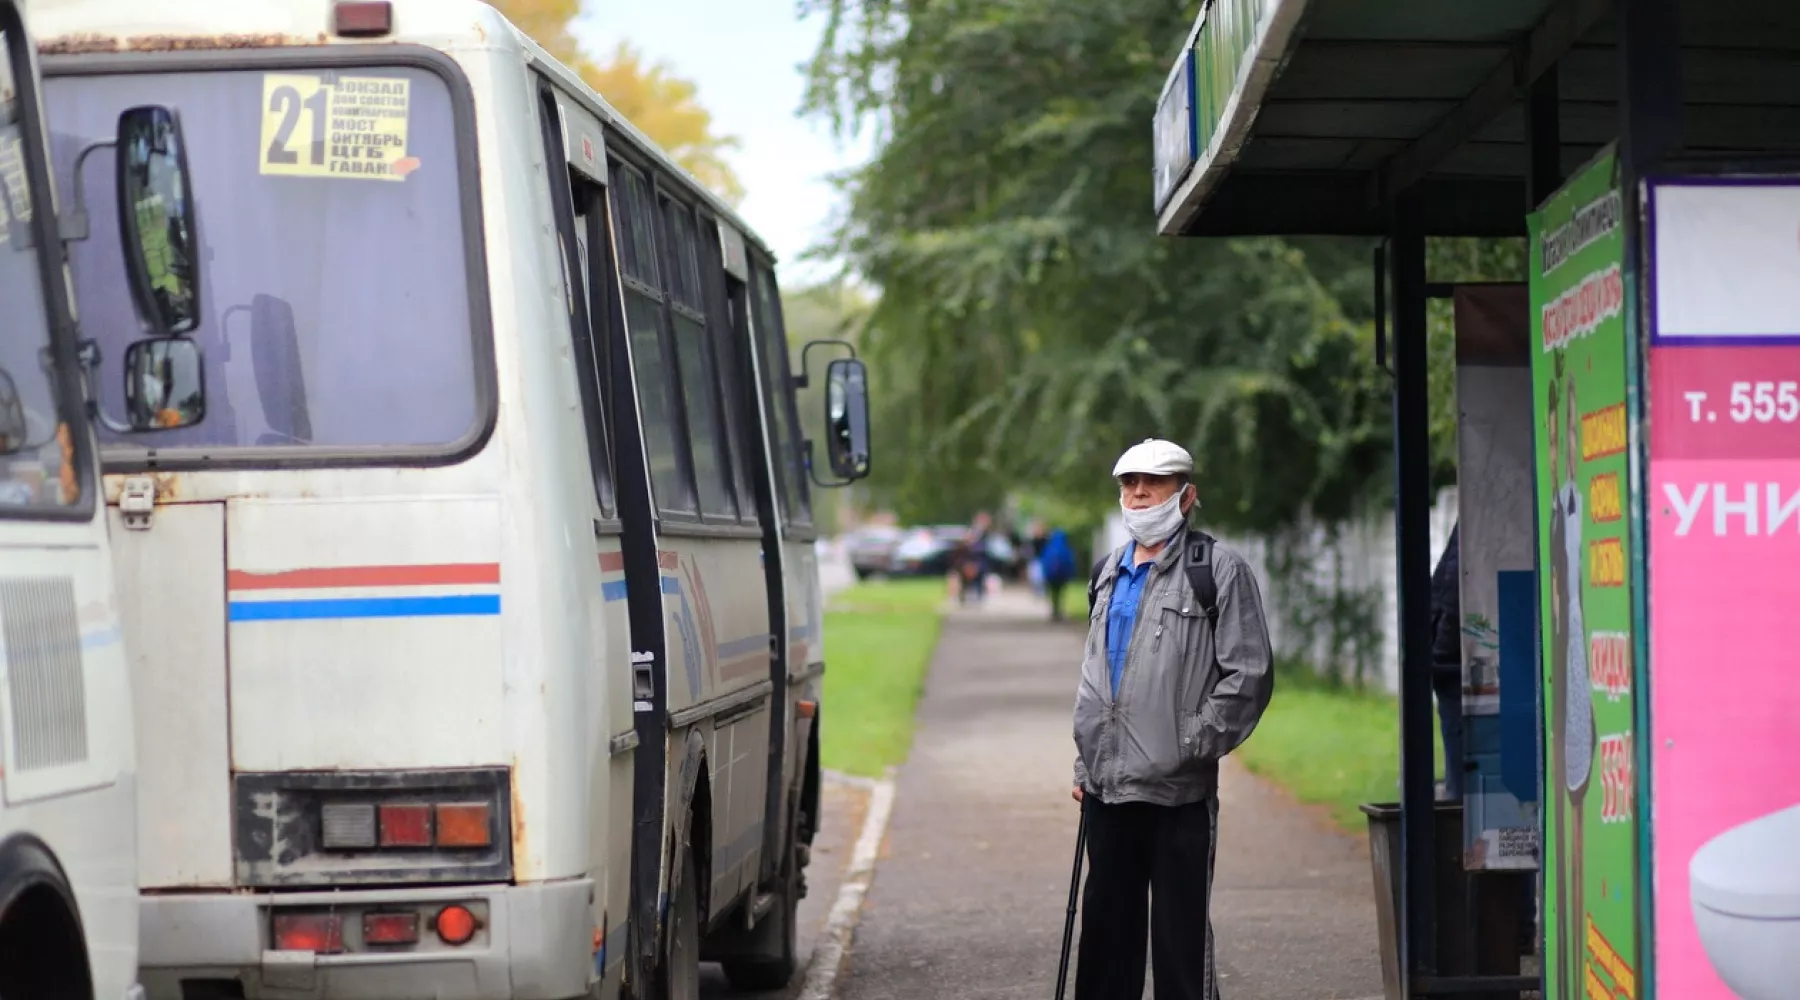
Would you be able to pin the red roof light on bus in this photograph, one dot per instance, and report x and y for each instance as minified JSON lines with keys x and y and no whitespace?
{"x":363,"y":18}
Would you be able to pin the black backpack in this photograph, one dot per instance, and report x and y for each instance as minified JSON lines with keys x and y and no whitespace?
{"x":1196,"y":559}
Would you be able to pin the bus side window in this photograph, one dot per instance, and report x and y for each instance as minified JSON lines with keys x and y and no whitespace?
{"x":572,"y":202}
{"x":652,"y":368}
{"x":778,"y":386}
{"x":695,"y":370}
{"x":733,"y":366}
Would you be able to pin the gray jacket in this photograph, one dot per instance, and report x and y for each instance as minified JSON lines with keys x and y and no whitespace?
{"x":1180,"y":707}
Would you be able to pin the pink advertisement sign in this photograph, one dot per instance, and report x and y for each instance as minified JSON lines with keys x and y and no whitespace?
{"x":1724,"y":598}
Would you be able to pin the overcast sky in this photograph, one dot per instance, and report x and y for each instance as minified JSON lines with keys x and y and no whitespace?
{"x":746,"y":57}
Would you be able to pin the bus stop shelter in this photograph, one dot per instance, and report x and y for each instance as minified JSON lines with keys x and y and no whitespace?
{"x":1400,"y":120}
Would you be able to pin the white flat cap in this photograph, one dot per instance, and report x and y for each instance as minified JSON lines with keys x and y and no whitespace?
{"x":1155,"y":457}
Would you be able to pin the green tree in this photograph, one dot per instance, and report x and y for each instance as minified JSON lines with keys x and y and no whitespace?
{"x":1030,"y":323}
{"x":1458,"y":260}
{"x":651,"y":96}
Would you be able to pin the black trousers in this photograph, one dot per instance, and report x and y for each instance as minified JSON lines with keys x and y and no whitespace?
{"x":1149,"y":876}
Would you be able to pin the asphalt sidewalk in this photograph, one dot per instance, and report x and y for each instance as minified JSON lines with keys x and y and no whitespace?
{"x":969,"y":893}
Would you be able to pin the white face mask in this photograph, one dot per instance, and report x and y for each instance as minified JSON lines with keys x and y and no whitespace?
{"x":1154,"y":525}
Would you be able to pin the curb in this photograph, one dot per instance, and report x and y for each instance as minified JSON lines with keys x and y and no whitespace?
{"x":834,"y":946}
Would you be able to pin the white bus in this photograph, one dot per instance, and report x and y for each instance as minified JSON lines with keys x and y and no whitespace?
{"x":475,"y":633}
{"x":68,"y":881}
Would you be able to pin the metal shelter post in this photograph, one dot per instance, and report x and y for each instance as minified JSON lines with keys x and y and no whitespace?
{"x":1543,"y":175}
{"x":1412,"y":529}
{"x":1650,"y":85}
{"x":1652,"y":130}
{"x":1543,"y":139}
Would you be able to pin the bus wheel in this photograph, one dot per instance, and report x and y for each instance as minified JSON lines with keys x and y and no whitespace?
{"x":681,"y":952}
{"x":43,"y":955}
{"x":774,"y":947}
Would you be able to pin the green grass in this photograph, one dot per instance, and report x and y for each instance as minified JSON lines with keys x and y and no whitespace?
{"x":918,"y":594}
{"x":1330,"y":746}
{"x":878,"y":642}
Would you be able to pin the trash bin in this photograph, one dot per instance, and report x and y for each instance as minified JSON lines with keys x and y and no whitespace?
{"x":1478,"y":914}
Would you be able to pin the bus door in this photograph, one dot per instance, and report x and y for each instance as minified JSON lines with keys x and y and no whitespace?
{"x":576,"y":154}
{"x":799,"y":614}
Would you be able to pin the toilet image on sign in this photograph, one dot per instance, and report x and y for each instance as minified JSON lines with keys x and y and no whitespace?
{"x":1745,"y":885}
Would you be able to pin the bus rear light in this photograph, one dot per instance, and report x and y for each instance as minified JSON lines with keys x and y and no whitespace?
{"x":316,"y":932}
{"x":464,"y":824}
{"x":390,"y":928}
{"x":348,"y":825}
{"x":456,"y":925}
{"x":406,"y":825}
{"x":363,"y":18}
{"x":373,"y":828}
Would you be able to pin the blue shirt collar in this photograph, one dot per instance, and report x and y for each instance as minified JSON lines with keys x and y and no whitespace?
{"x":1127,"y":563}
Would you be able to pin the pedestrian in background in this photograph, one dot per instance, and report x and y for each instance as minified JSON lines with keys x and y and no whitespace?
{"x":971,"y":559}
{"x":1170,"y":684}
{"x":1056,"y":566}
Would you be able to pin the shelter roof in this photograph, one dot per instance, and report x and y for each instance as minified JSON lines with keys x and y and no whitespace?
{"x":1291,"y":117}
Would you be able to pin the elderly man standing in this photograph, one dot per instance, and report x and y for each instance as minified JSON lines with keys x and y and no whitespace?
{"x":1177,"y":673}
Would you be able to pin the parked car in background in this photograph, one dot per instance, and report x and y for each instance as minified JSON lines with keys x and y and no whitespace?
{"x":923,"y":552}
{"x":927,"y":551}
{"x":1005,"y":558}
{"x":871,"y":549}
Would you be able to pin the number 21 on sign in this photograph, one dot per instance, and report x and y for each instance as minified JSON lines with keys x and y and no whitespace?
{"x":295,"y":112}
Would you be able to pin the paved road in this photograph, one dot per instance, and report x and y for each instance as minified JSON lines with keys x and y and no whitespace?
{"x":969,"y":894}
{"x":845,"y":801}
{"x":843,"y":805}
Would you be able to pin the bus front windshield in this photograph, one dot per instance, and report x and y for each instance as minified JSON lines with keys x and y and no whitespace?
{"x":37,"y":468}
{"x":335,"y":312}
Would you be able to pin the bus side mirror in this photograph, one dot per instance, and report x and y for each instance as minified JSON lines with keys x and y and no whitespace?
{"x":156,"y":220}
{"x":165,"y":384}
{"x":847,"y":418}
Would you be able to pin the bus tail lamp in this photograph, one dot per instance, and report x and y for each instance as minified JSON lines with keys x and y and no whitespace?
{"x":464,"y":824}
{"x":316,"y":932}
{"x":348,"y":825}
{"x":456,"y":925}
{"x":390,"y":928}
{"x":374,"y":828}
{"x":406,"y":825}
{"x":363,"y":18}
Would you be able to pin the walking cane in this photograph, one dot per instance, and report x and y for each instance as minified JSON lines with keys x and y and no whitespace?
{"x":1062,"y":971}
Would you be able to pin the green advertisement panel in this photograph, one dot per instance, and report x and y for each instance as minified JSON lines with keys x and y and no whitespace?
{"x":1591,"y":886}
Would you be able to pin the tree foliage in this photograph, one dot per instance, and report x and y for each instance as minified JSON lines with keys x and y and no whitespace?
{"x":1031,"y":323}
{"x":662,"y":105}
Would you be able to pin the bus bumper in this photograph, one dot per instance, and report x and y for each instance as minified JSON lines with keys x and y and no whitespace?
{"x":533,"y":942}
